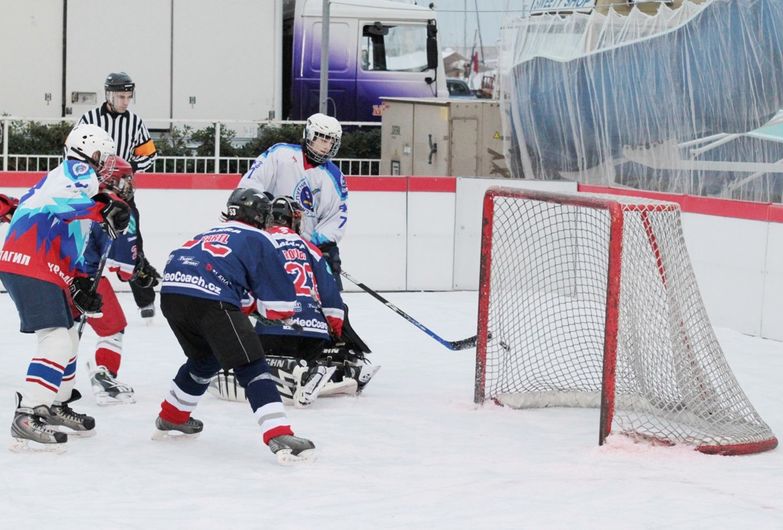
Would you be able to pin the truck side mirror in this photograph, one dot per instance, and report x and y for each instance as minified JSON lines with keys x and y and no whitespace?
{"x":377,"y":29}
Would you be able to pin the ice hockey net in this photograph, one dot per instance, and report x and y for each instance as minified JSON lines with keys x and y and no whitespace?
{"x":589,"y":300}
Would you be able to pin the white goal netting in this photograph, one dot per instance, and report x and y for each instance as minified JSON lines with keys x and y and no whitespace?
{"x":592,"y":301}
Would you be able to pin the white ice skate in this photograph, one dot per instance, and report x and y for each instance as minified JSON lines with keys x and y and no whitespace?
{"x":107,"y":390}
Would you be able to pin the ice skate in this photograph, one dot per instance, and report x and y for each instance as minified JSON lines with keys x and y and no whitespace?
{"x":291,"y":449}
{"x":313,"y":381}
{"x":107,"y":390}
{"x":71,"y":422}
{"x":147,"y":312}
{"x":362,"y":374}
{"x":30,"y":432}
{"x":166,"y":430}
{"x":344,"y":387}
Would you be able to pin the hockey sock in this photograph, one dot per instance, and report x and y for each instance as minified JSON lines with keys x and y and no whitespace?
{"x":264,"y":399}
{"x":187,"y":388}
{"x":69,"y":374}
{"x":45,"y":371}
{"x":108,"y":352}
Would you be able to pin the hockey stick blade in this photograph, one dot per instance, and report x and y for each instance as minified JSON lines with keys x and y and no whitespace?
{"x":463,"y":344}
{"x":470,"y":342}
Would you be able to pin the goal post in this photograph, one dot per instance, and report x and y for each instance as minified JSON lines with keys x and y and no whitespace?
{"x":590,"y":301}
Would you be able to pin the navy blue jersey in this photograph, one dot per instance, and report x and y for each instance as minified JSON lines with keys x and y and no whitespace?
{"x":319,"y":305}
{"x":124,"y":254}
{"x":226,"y":263}
{"x":98,"y":242}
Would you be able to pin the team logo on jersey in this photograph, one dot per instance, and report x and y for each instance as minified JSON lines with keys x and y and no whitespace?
{"x":304,"y":195}
{"x":80,"y":169}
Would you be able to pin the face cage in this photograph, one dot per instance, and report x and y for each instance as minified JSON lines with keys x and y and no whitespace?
{"x":123,"y":188}
{"x":317,"y":157}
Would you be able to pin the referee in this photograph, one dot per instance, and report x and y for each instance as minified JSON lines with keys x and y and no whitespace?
{"x":135,"y":145}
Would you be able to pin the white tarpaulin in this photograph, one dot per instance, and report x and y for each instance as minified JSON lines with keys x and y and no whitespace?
{"x":683,"y":101}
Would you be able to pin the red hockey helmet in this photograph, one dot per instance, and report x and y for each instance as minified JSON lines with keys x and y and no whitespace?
{"x":117,"y":175}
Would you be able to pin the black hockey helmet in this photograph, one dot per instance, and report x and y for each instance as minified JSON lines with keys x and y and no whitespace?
{"x":250,"y":206}
{"x":119,"y":82}
{"x":287,"y":212}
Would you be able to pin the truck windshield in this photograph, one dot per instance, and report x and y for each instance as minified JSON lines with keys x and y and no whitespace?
{"x":394,"y":48}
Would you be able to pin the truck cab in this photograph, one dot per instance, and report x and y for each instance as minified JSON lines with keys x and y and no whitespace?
{"x":376,"y":49}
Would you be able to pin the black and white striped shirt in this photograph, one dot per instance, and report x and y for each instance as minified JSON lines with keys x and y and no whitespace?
{"x":129,"y":133}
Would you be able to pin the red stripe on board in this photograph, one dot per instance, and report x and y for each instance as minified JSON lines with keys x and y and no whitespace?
{"x":377,"y":183}
{"x":752,"y":211}
{"x":215,"y":181}
{"x":20,"y":179}
{"x":433,"y":184}
{"x":188,"y":181}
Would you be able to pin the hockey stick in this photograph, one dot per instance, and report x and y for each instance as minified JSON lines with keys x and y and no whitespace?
{"x":94,"y":286}
{"x":463,"y":344}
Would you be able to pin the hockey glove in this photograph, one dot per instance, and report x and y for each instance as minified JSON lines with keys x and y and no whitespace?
{"x":332,"y":256}
{"x":7,"y":207}
{"x":145,"y":275}
{"x":115,"y":212}
{"x":85,"y":298}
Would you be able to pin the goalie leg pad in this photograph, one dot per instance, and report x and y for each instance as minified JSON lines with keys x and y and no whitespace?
{"x":313,"y":381}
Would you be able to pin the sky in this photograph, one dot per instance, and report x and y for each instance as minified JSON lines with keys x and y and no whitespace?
{"x":458,"y":20}
{"x":411,"y":452}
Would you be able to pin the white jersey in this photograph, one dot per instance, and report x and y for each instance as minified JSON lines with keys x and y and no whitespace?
{"x":321,"y":190}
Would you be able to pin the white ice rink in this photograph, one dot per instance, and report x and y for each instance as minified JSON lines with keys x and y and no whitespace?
{"x":411,"y":452}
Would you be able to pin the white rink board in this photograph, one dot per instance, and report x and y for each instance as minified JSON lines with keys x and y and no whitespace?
{"x":399,"y":240}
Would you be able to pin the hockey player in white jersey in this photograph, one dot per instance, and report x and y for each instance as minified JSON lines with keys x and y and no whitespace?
{"x":306,"y":173}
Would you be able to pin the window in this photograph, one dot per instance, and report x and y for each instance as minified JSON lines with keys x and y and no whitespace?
{"x":394,"y":48}
{"x":458,"y":87}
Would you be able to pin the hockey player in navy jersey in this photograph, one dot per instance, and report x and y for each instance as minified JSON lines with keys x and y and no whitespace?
{"x":318,"y":353}
{"x":320,"y":315}
{"x":306,"y":173}
{"x":203,"y":284}
{"x":110,"y":326}
{"x":43,"y":269}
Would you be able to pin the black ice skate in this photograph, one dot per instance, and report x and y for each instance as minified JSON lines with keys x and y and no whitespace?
{"x":166,"y":430}
{"x":291,"y":449}
{"x":361,"y":374}
{"x":107,"y":390}
{"x":75,"y":424}
{"x":31,"y":433}
{"x":147,"y":312}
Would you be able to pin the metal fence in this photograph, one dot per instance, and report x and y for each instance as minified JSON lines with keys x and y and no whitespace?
{"x":191,"y":164}
{"x":178,"y":164}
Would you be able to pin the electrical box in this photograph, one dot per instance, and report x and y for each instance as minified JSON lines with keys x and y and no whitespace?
{"x":442,"y":137}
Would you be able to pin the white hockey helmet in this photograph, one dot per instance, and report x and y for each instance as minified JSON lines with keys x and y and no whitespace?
{"x":89,"y":143}
{"x":328,"y":130}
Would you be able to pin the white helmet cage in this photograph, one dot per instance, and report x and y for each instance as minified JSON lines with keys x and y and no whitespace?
{"x":321,"y":126}
{"x":85,"y":140}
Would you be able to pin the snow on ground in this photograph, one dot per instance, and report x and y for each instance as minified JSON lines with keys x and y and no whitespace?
{"x":411,"y":452}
